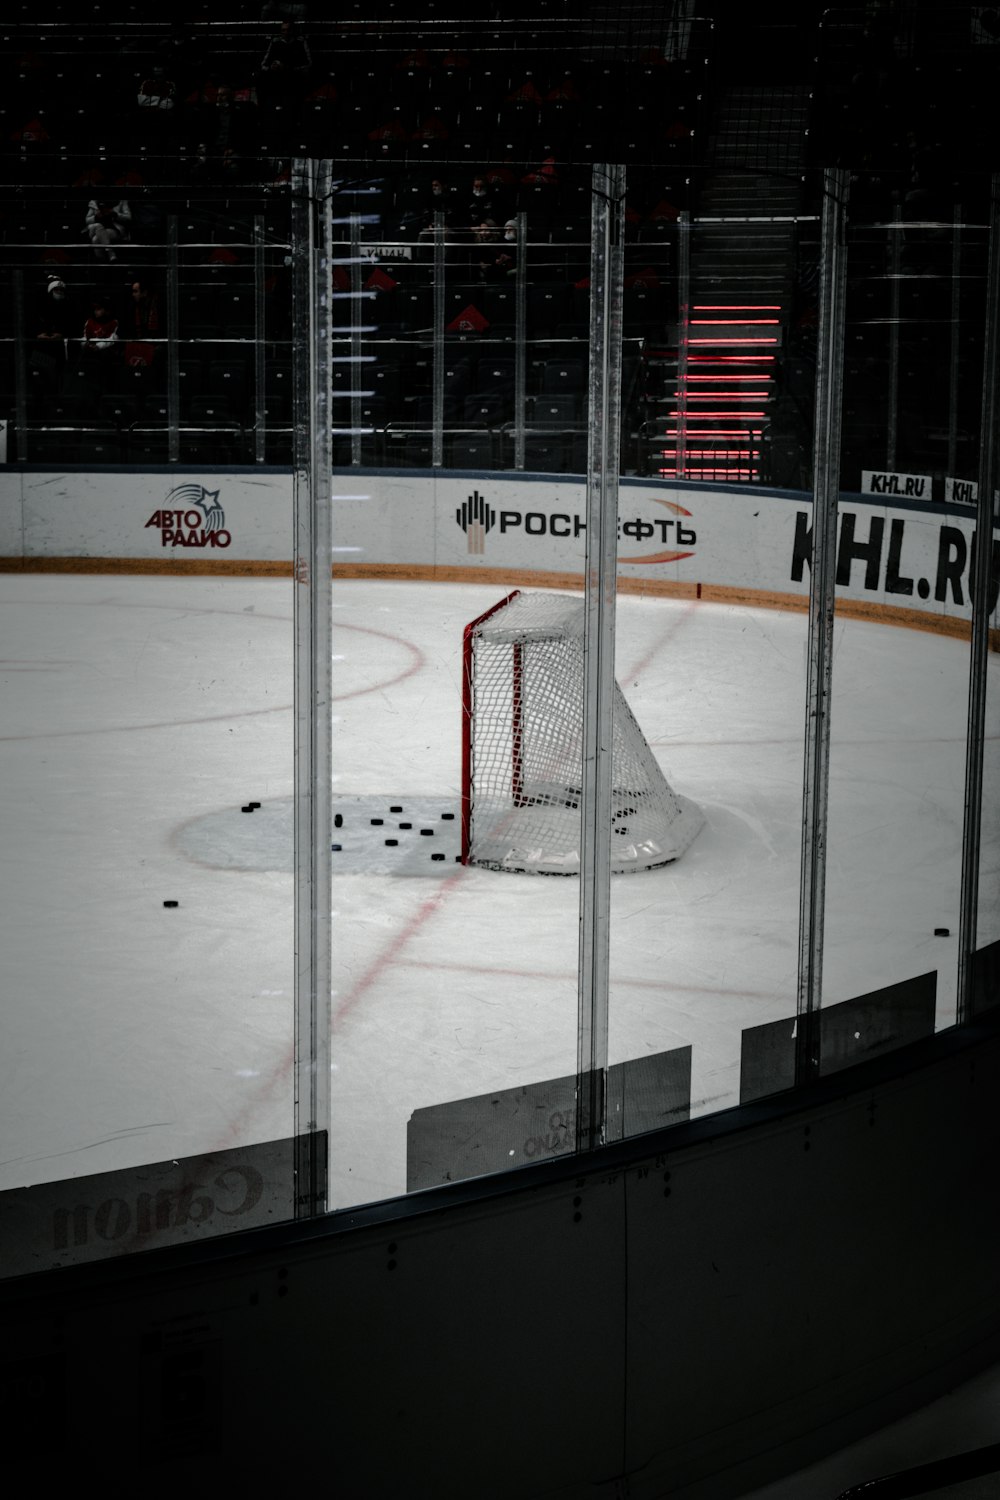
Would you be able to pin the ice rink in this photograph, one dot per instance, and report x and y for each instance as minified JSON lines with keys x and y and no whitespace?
{"x":142,"y":713}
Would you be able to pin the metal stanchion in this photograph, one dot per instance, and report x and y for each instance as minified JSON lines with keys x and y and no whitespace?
{"x":826,"y":485}
{"x":311,"y":355}
{"x":979,"y":649}
{"x":606,"y":259}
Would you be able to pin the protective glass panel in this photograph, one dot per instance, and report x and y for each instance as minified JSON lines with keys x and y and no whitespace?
{"x":913,"y":373}
{"x":454,"y":1015}
{"x":458,"y":337}
{"x":710,"y":645}
{"x":986,"y":964}
{"x":147,"y":743}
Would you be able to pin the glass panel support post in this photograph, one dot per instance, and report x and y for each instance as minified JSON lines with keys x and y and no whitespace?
{"x":311,"y":370}
{"x":895,"y":289}
{"x":520,"y":338}
{"x":357,"y":301}
{"x":683,"y":338}
{"x":603,"y":459}
{"x":20,"y":368}
{"x":173,"y":345}
{"x":955,"y":346}
{"x":979,"y":652}
{"x":822,"y":579}
{"x":437,"y":360}
{"x":260,"y":330}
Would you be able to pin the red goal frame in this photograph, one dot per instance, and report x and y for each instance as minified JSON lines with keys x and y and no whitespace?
{"x":467,"y":650}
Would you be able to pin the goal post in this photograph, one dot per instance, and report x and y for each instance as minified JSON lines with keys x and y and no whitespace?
{"x":522,"y":750}
{"x":468,"y":701}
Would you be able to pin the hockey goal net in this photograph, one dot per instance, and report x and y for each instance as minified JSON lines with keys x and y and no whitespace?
{"x":522,"y":750}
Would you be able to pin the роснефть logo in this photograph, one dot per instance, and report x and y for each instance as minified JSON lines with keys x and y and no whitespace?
{"x":476,"y":518}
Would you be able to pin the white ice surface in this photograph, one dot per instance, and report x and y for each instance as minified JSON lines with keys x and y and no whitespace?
{"x":133,"y":707}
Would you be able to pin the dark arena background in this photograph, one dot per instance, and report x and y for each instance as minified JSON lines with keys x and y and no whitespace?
{"x":333,"y":1149}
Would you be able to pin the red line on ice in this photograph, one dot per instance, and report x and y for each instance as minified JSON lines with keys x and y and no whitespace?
{"x":675,"y":625}
{"x":390,"y":954}
{"x":643,"y":984}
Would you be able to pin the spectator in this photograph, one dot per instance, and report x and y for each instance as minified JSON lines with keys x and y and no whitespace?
{"x":478,"y":200}
{"x":286,"y":66}
{"x":107,"y":225}
{"x":500,"y":263}
{"x":436,"y":200}
{"x":141,"y":325}
{"x":157,"y":91}
{"x":57,"y":313}
{"x":100,"y":331}
{"x":288,"y":52}
{"x":486,"y":201}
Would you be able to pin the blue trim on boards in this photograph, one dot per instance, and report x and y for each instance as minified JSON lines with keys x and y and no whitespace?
{"x":235,"y":470}
{"x":695,"y":486}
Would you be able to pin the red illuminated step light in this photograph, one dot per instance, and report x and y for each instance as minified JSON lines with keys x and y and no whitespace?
{"x":732,"y":359}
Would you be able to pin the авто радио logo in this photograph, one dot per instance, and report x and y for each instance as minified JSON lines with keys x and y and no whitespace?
{"x":191,"y":517}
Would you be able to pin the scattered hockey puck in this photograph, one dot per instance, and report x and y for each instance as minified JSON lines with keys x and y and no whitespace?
{"x":392,"y":843}
{"x":336,"y":848}
{"x":427,"y":833}
{"x":248,"y":808}
{"x":377,"y":822}
{"x":171,"y":903}
{"x":338,"y":821}
{"x":447,"y":817}
{"x":406,"y":825}
{"x":942,"y":932}
{"x":396,"y":809}
{"x":437,"y":856}
{"x":254,"y":804}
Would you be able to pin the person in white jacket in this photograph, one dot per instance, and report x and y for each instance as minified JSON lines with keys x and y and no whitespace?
{"x":107,"y":225}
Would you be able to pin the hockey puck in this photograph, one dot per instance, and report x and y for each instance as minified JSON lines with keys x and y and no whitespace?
{"x":406,"y":825}
{"x":171,"y":903}
{"x":942,"y":932}
{"x":248,"y":808}
{"x":377,"y":822}
{"x":396,"y":809}
{"x":336,"y":848}
{"x":437,"y":856}
{"x":338,"y":821}
{"x":254,"y":804}
{"x":447,"y":817}
{"x":427,"y":833}
{"x":392,"y":843}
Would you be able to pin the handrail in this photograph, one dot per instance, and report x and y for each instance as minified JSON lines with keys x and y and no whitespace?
{"x":925,"y":1478}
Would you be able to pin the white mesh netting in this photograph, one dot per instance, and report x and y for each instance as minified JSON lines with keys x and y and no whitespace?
{"x":525,"y":664}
